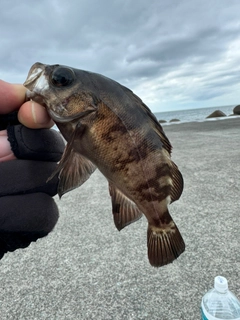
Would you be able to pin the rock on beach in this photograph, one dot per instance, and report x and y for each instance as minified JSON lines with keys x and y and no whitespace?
{"x":236,"y":110}
{"x":174,"y":120}
{"x":216,"y":114}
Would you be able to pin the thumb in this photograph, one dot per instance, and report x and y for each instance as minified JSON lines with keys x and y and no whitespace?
{"x":34,"y":116}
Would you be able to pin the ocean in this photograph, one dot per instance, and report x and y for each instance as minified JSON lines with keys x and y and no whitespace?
{"x":192,"y":115}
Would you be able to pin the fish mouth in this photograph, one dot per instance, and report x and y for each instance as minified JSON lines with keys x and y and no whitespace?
{"x":36,"y":83}
{"x":30,"y":95}
{"x":32,"y":77}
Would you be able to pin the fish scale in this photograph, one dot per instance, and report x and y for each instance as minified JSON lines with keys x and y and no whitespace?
{"x":107,"y":126}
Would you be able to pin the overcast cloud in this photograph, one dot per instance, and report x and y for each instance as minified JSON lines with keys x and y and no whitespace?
{"x":174,"y":54}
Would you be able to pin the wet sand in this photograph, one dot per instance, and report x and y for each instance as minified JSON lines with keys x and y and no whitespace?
{"x":86,"y":269}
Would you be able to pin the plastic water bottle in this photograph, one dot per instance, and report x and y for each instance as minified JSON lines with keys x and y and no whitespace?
{"x":220,"y":303}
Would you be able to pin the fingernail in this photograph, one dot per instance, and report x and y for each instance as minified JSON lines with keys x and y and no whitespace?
{"x":39,"y":114}
{"x":33,"y":111}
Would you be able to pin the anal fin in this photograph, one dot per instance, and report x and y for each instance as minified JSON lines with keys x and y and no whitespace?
{"x":124,"y":210}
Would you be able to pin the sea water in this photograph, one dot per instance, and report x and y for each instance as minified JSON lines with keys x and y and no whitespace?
{"x":192,"y":114}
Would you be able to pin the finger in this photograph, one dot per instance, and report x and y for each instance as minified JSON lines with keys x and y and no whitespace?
{"x":5,"y":148}
{"x":34,"y":116}
{"x":12,"y":96}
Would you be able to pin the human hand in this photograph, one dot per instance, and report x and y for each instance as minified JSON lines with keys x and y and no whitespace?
{"x":30,"y":114}
{"x":27,"y":210}
{"x":14,"y":108}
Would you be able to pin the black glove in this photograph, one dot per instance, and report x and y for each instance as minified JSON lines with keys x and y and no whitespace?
{"x":27,"y":210}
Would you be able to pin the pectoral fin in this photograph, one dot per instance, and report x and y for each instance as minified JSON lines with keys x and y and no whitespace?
{"x":75,"y":171}
{"x":124,"y":210}
{"x":73,"y":168}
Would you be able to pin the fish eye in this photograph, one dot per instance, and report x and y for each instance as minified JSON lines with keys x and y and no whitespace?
{"x":62,"y":77}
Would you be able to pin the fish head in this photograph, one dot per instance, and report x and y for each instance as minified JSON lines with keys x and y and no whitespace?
{"x":58,"y":88}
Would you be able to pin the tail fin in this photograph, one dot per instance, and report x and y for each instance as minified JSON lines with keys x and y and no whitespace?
{"x":165,"y":244}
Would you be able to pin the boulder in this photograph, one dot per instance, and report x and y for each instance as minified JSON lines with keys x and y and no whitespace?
{"x":162,"y":121}
{"x":236,"y":110}
{"x":174,"y":120}
{"x":216,"y":114}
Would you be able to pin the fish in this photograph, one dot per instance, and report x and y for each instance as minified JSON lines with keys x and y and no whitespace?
{"x":108,"y":127}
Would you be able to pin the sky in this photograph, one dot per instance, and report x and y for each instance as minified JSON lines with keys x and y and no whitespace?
{"x":174,"y":54}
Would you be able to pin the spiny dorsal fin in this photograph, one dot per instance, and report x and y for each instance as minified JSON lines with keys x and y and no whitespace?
{"x":124,"y":210}
{"x":166,"y":143}
{"x":157,"y":127}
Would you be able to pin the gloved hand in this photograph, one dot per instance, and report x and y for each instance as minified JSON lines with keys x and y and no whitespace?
{"x":27,"y":210}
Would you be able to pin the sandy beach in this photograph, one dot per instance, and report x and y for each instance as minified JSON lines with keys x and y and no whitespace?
{"x":86,"y":269}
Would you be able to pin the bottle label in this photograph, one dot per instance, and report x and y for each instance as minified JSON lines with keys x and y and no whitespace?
{"x":203,"y":317}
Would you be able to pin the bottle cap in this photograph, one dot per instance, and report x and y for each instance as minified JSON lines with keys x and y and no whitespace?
{"x":220,"y":284}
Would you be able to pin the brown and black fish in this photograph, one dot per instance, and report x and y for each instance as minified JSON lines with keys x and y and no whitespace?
{"x":107,"y":126}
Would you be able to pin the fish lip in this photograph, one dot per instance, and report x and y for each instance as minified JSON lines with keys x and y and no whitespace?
{"x":29,"y":94}
{"x":33,"y":76}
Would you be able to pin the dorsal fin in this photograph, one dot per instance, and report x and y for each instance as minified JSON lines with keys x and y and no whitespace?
{"x":156,"y":125}
{"x":158,"y":129}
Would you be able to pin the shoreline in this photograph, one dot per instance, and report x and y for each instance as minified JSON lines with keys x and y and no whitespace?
{"x":211,"y":123}
{"x":200,"y":114}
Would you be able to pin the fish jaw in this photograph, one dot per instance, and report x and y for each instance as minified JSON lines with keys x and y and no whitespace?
{"x":36,"y":83}
{"x":35,"y":79}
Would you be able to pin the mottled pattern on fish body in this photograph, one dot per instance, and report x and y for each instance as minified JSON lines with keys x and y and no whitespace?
{"x":109,"y":127}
